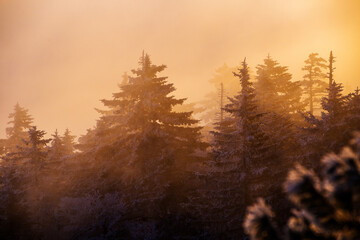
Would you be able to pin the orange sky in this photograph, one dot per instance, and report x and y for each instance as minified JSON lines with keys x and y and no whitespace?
{"x":59,"y":57}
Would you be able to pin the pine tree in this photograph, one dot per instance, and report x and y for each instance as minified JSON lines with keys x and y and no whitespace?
{"x":23,"y":174}
{"x":246,"y":127}
{"x":335,"y":125}
{"x":275,"y":91}
{"x":280,"y":98}
{"x":331,"y":130}
{"x":313,"y":83}
{"x":331,"y":68}
{"x":20,"y":121}
{"x":34,"y":150}
{"x":68,"y":142}
{"x":56,"y":150}
{"x":240,"y":151}
{"x":353,"y":109}
{"x":225,"y":84}
{"x":149,"y":144}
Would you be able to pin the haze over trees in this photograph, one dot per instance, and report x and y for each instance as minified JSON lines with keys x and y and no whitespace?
{"x":156,"y":167}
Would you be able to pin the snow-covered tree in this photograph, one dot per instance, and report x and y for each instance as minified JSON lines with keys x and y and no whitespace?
{"x":313,"y":83}
{"x":280,"y":98}
{"x":275,"y":91}
{"x":20,"y":123}
{"x":334,"y":127}
{"x":331,"y":130}
{"x":240,"y":151}
{"x":34,"y":150}
{"x":146,"y":145}
{"x":21,"y":174}
{"x":107,"y":128}
{"x":325,"y":210}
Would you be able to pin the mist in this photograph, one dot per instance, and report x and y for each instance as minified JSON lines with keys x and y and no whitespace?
{"x":164,"y":119}
{"x":58,"y":58}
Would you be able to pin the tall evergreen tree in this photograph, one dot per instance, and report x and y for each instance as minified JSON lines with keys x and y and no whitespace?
{"x":68,"y":142}
{"x":20,"y":123}
{"x":56,"y":150}
{"x":240,"y":151}
{"x":275,"y":91}
{"x":22,"y":171}
{"x":353,"y":109}
{"x":34,"y":149}
{"x":313,"y":82}
{"x":331,"y":68}
{"x":224,"y":85}
{"x":152,"y":145}
{"x":280,"y":98}
{"x":330,"y":131}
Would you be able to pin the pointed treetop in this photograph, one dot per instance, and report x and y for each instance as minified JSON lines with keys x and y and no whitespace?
{"x":331,"y":68}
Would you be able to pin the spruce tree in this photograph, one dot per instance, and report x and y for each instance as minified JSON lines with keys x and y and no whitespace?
{"x":56,"y":150}
{"x":331,"y":68}
{"x":240,"y":152}
{"x":280,"y":98}
{"x":335,"y":125}
{"x":313,"y":83}
{"x":224,"y":84}
{"x":331,"y":130}
{"x":108,"y":126}
{"x":68,"y":142}
{"x":23,"y":172}
{"x":20,"y":123}
{"x":275,"y":91}
{"x":34,"y":150}
{"x":353,"y":110}
{"x":149,"y":144}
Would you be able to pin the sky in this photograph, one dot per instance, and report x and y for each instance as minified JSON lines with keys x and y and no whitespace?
{"x":59,"y":58}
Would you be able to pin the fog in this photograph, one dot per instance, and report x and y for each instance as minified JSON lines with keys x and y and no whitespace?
{"x":59,"y":57}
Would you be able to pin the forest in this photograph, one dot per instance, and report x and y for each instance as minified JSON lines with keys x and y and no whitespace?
{"x":263,"y":156}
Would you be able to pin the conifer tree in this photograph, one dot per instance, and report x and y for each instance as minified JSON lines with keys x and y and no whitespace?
{"x":21,"y":173}
{"x":246,"y":132}
{"x":280,"y":98}
{"x":56,"y":150}
{"x":313,"y":83}
{"x":68,"y":142}
{"x":353,"y":109}
{"x":34,"y":149}
{"x":144,"y":108}
{"x":325,"y":210}
{"x":331,"y":130}
{"x":224,"y":83}
{"x":275,"y":91}
{"x":240,"y":150}
{"x":151,"y":144}
{"x":20,"y":123}
{"x":331,"y":68}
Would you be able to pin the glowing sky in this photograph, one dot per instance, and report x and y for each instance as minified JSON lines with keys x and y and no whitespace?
{"x":59,"y":57}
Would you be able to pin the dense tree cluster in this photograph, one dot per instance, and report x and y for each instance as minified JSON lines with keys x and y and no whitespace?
{"x":149,"y":169}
